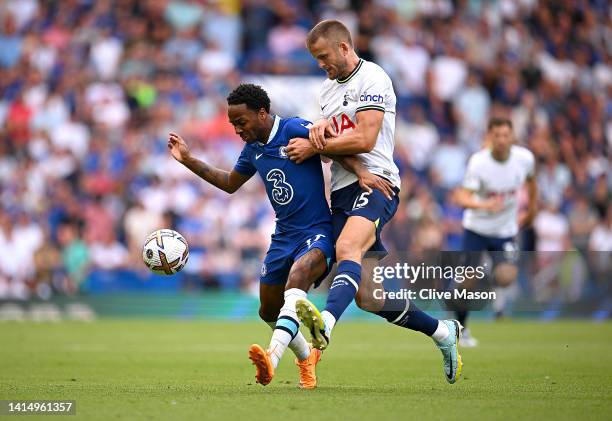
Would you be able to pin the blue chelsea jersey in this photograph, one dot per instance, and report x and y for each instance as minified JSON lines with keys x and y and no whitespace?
{"x":296,"y":192}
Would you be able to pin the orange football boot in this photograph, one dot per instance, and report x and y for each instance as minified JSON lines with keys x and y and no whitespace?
{"x":308,"y":377}
{"x":263,"y":364}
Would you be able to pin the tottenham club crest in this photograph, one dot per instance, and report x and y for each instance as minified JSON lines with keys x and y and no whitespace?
{"x":346,"y":97}
{"x":282,"y":151}
{"x":264,"y":270}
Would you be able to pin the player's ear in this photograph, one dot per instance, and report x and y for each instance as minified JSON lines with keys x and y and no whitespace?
{"x":344,"y":48}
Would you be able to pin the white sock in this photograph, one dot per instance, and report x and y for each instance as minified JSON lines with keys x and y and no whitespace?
{"x":287,"y":328}
{"x":441,"y":332}
{"x":500,"y":299}
{"x":299,"y":345}
{"x":330,"y":320}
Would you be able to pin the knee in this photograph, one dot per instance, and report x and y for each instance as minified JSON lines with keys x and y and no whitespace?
{"x":353,"y":249}
{"x":299,"y":278}
{"x":505,"y":274}
{"x":268,"y":314}
{"x":346,"y":249}
{"x":306,"y":270}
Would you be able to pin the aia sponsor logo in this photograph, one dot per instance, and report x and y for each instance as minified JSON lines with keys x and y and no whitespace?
{"x":508,"y":194}
{"x":345,"y":123}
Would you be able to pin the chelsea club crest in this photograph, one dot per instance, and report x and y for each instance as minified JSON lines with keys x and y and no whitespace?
{"x":282,"y":151}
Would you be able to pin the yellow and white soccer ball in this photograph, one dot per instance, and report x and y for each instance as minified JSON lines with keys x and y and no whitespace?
{"x":165,"y":252}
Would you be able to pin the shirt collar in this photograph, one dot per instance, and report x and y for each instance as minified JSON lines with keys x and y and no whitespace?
{"x":277,"y":120}
{"x":353,"y":73}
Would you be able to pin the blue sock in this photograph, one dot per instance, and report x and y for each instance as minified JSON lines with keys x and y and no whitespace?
{"x":343,"y":287}
{"x":403,"y":313}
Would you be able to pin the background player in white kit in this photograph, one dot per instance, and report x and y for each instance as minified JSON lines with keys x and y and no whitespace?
{"x":358,"y":117}
{"x":491,"y":220}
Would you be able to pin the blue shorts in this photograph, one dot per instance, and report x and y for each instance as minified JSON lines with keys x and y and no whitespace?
{"x":353,"y":201}
{"x":501,"y":249}
{"x":286,"y":248}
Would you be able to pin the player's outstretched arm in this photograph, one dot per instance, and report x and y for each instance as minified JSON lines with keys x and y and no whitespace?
{"x":367,"y":180}
{"x":228,"y":181}
{"x":467,"y":199}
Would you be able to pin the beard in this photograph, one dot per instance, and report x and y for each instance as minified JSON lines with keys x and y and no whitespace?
{"x":342,"y":70}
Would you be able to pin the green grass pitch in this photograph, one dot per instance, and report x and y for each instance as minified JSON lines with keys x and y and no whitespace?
{"x":197,"y":370}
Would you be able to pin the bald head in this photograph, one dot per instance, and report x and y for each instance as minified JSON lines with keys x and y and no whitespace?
{"x":332,"y":31}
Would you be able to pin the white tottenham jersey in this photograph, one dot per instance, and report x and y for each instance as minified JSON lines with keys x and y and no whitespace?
{"x":368,"y":87}
{"x":489,"y":178}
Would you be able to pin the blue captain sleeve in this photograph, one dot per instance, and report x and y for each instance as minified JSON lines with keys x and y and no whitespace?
{"x":244,"y":164}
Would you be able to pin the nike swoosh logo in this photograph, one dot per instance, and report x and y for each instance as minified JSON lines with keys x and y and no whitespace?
{"x":258,"y":155}
{"x":323,"y":107}
{"x":449,"y":375}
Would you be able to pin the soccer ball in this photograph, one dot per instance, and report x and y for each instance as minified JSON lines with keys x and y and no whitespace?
{"x":165,"y":252}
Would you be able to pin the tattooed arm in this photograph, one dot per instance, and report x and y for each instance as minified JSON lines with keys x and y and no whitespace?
{"x":228,"y":181}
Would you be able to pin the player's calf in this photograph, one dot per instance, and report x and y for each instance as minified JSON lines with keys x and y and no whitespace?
{"x":267,"y":314}
{"x":369,"y":296}
{"x":272,"y":303}
{"x":357,"y":236}
{"x":403,"y":313}
{"x":308,"y":268}
{"x":504,"y":274}
{"x":287,"y":328}
{"x":285,"y":334}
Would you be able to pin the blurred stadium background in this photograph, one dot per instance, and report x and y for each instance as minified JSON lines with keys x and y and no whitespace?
{"x":90,"y":89}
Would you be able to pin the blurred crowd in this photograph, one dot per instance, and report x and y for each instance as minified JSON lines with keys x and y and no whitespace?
{"x":89,"y":90}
